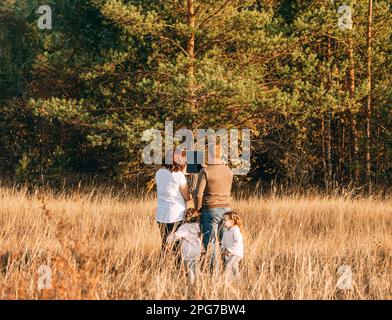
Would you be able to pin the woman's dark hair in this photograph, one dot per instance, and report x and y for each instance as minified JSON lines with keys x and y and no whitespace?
{"x":174,"y":166}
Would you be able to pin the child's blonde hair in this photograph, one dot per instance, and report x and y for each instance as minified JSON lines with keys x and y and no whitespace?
{"x":236,"y":218}
{"x":192,"y":216}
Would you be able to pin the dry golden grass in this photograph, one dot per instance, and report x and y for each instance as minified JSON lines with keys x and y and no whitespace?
{"x":106,"y":247}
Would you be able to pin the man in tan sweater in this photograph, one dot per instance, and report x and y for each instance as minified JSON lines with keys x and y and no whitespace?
{"x":212,"y":198}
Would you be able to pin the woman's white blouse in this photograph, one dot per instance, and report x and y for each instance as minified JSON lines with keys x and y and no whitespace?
{"x":171,"y":203}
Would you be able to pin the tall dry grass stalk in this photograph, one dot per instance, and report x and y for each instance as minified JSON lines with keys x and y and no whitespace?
{"x":107,"y":247}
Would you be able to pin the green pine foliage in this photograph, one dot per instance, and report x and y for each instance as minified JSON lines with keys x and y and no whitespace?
{"x":76,"y":99}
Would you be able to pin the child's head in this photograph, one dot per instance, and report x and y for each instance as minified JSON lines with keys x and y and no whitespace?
{"x":231,"y":219}
{"x":192,"y":216}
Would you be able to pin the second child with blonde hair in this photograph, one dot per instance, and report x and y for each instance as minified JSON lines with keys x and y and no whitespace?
{"x":232,"y":244}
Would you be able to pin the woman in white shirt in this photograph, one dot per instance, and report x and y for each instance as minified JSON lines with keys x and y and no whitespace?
{"x":173,"y":192}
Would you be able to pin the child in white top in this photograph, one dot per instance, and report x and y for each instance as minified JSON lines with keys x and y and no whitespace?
{"x":232,"y":244}
{"x":190,"y":236}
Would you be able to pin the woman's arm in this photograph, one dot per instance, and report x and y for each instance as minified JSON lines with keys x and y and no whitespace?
{"x":186,"y":192}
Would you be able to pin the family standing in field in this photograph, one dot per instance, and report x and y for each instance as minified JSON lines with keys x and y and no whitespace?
{"x":209,"y":231}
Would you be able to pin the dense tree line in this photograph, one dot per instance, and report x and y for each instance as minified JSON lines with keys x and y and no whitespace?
{"x":312,"y":81}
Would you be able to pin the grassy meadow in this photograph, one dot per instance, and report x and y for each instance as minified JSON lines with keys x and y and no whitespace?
{"x":101,"y":246}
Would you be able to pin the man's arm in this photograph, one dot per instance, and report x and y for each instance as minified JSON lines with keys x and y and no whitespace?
{"x":200,"y":186}
{"x":184,"y":189}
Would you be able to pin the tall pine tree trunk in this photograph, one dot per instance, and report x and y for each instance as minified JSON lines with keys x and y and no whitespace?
{"x":328,"y":141}
{"x":191,"y":55}
{"x":328,"y":132}
{"x":351,"y":115}
{"x":368,"y":112}
{"x":324,"y":152}
{"x":342,"y":148}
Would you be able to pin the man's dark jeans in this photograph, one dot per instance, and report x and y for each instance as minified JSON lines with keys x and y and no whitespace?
{"x":212,"y":230}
